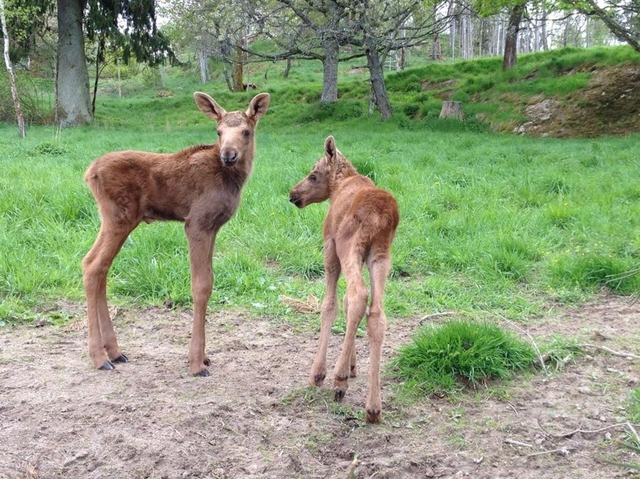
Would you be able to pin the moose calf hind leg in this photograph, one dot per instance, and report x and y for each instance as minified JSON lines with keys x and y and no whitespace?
{"x":357,"y":300}
{"x":376,"y":328}
{"x":353,"y":372}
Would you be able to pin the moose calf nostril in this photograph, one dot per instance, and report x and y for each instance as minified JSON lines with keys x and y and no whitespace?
{"x":229,"y":159}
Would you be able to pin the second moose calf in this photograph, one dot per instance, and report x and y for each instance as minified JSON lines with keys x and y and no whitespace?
{"x":359,"y":228}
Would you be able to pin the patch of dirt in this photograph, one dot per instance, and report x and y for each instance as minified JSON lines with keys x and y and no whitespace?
{"x":254,"y":416}
{"x":609,"y":105}
{"x":444,"y":89}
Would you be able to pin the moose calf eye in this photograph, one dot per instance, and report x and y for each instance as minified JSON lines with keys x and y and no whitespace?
{"x":218,"y":132}
{"x":312,"y":177}
{"x":247,"y":132}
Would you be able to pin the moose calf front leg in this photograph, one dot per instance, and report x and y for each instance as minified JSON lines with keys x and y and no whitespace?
{"x":328,"y":316}
{"x":200,"y":255}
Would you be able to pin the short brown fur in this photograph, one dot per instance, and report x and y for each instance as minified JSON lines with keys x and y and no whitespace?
{"x":359,"y":228}
{"x":200,"y":186}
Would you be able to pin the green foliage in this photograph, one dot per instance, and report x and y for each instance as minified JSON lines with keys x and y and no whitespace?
{"x":593,"y":270}
{"x":35,"y":106}
{"x":444,"y":358}
{"x":632,"y":442}
{"x":633,"y":406}
{"x":489,"y":222}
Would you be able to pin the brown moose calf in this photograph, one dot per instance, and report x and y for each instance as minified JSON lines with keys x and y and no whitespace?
{"x":359,"y":228}
{"x":199,"y":186}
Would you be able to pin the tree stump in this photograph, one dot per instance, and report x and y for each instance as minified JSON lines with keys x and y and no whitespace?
{"x":452,"y":109}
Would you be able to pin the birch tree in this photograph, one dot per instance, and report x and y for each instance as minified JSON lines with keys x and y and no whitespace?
{"x":9,"y":65}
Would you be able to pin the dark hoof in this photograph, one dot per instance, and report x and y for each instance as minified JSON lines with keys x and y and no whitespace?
{"x":207,"y":362}
{"x":203,"y":374}
{"x":107,"y":366}
{"x":373,"y":417}
{"x":318,"y":379}
{"x":121,"y":359}
{"x":338,"y":394}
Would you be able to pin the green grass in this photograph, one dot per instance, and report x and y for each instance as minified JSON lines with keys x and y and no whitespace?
{"x":443,"y":359}
{"x":632,"y":442}
{"x":489,"y":222}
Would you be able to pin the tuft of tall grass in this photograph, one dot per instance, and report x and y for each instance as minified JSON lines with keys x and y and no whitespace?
{"x":442,"y":359}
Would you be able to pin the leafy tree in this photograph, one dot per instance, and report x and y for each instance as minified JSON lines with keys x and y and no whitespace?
{"x":321,"y":29}
{"x":621,"y":17}
{"x":126,"y":30}
{"x":516,"y":9}
{"x":315,"y":31}
{"x":218,"y":28}
{"x":127,"y":27}
{"x":382,"y":27}
{"x":25,"y":18}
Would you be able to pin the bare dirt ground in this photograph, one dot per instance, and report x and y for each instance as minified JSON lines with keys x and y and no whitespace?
{"x":254,"y":416}
{"x":608,"y":105}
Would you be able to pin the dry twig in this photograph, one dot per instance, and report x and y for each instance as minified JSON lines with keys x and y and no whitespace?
{"x":517,"y":443}
{"x":610,"y":351}
{"x":535,"y":346}
{"x":634,"y":432}
{"x":310,"y":306}
{"x":583,"y":431}
{"x":437,"y":315}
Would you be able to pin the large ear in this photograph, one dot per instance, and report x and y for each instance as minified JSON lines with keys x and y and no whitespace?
{"x":258,"y":106}
{"x":330,"y":149}
{"x":209,"y":107}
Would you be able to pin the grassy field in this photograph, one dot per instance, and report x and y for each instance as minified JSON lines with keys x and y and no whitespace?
{"x":491,"y":223}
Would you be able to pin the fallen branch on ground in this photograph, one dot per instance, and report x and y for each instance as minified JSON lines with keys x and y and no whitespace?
{"x":610,"y":351}
{"x":437,"y":315}
{"x":583,"y":431}
{"x":517,"y":443}
{"x":535,"y":346}
{"x":310,"y":306}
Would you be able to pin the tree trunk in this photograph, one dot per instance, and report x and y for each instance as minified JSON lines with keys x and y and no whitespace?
{"x":452,"y":109}
{"x":238,"y":79}
{"x":95,"y":81}
{"x":330,"y":71}
{"x":12,"y":79}
{"x":511,"y":37}
{"x":73,"y":106}
{"x":204,"y":66}
{"x":119,"y":79}
{"x":377,"y":80}
{"x":545,"y":43}
{"x":287,"y":69}
{"x":227,"y":78}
